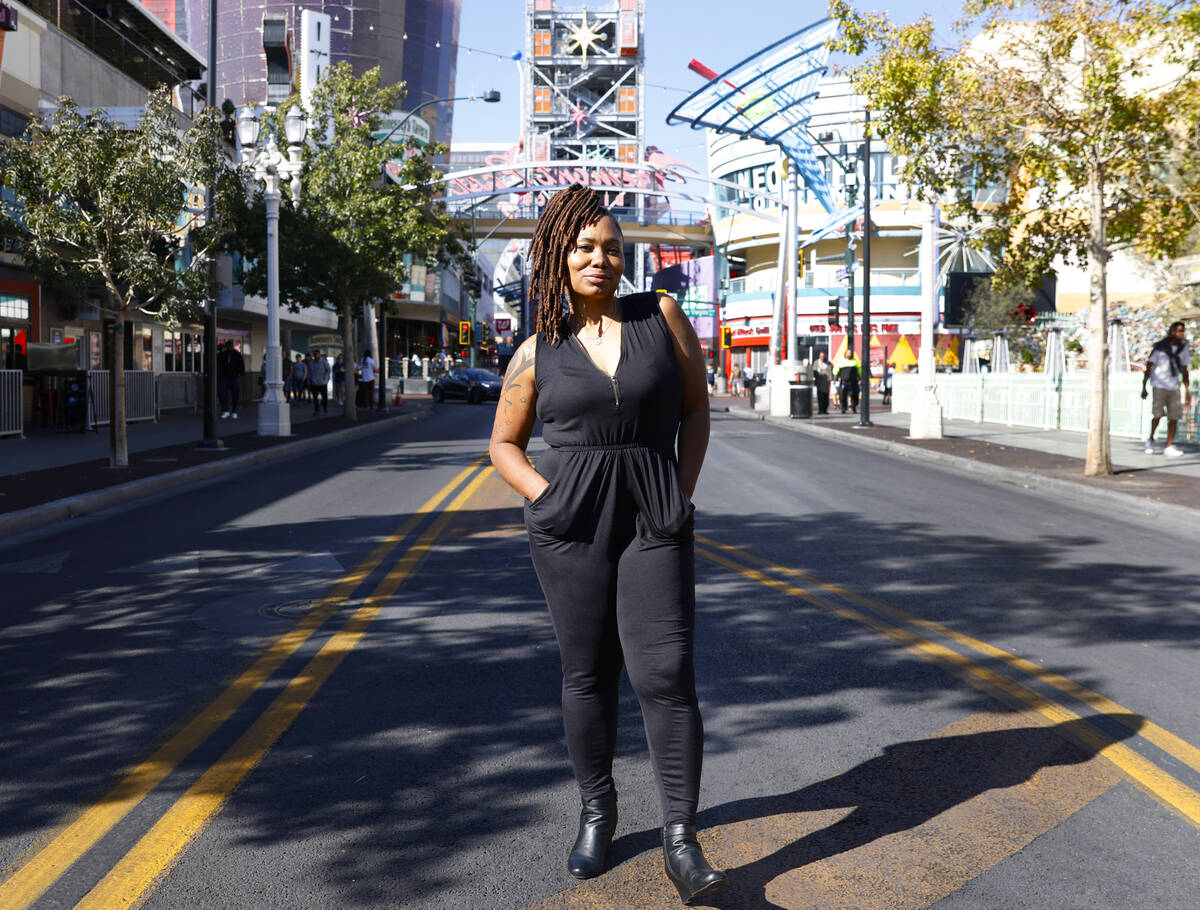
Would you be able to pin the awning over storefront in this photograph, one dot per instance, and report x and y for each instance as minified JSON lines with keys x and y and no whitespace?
{"x":417,"y":311}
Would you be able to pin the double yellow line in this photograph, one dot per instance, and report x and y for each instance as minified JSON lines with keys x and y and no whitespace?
{"x":1010,"y":686}
{"x":153,"y":856}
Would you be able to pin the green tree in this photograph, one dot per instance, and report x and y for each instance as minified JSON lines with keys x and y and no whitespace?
{"x":96,"y":205}
{"x":346,"y":243}
{"x":1067,"y":128}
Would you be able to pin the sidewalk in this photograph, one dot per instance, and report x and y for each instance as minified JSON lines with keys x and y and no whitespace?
{"x":1047,"y":459}
{"x":51,"y":475}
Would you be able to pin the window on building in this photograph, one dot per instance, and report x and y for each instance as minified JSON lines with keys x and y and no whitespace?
{"x":542,"y":5}
{"x":627,"y":101}
{"x":12,"y":307}
{"x":541,"y":44}
{"x":627,"y":153}
{"x":172,"y":349}
{"x":541,"y":101}
{"x":12,"y":123}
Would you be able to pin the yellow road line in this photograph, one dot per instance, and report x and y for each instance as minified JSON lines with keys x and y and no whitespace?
{"x":79,"y":835}
{"x":1140,"y":770}
{"x":1170,"y":743}
{"x":153,"y":856}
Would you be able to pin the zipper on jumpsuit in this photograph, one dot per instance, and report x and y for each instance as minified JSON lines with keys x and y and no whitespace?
{"x":611,"y":378}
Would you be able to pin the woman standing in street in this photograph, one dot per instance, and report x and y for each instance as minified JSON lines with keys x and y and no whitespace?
{"x":619,"y":385}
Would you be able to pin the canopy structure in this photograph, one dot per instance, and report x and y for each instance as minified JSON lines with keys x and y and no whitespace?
{"x":769,"y":97}
{"x":833,"y":224}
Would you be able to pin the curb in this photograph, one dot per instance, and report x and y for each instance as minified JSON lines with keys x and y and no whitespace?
{"x":984,"y":471}
{"x":86,"y":503}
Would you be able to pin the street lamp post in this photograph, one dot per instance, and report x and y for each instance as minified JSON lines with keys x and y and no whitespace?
{"x":864,"y":409}
{"x":271,"y":166}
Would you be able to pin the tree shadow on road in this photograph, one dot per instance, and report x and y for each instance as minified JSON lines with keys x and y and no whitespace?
{"x":434,"y":755}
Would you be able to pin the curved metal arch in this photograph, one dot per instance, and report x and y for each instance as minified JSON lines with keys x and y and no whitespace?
{"x":559,"y":175}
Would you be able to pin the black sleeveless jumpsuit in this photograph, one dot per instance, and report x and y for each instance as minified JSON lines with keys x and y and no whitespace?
{"x":611,"y":538}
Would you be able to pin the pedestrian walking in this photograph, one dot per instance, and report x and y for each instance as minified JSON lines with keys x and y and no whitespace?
{"x":1167,"y":372}
{"x":822,"y":377}
{"x":285,"y":374}
{"x":230,"y":370}
{"x":847,"y":369}
{"x":618,"y":383}
{"x":367,"y":366}
{"x":299,"y":378}
{"x":885,"y":383}
{"x":339,"y":379}
{"x":318,"y":382}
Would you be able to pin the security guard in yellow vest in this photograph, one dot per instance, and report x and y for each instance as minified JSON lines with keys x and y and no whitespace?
{"x":848,"y":371}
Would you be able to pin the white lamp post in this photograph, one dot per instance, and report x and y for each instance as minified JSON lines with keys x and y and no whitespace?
{"x":270,"y":166}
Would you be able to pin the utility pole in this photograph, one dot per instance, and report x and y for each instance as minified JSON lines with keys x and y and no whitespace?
{"x":210,"y":439}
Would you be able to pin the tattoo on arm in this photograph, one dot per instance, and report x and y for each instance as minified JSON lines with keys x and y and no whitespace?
{"x":512,"y":393}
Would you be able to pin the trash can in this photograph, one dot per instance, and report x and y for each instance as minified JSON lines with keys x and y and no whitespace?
{"x":801,"y":400}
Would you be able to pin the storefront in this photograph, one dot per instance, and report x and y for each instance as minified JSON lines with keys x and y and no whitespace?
{"x":20,"y":311}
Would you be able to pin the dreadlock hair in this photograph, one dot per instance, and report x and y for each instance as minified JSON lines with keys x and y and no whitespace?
{"x":567,"y":213}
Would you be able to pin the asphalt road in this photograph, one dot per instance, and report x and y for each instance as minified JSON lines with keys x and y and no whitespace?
{"x":331,"y":683}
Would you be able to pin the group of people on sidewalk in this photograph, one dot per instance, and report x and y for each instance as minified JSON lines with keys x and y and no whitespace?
{"x":844,"y":378}
{"x":308,"y":378}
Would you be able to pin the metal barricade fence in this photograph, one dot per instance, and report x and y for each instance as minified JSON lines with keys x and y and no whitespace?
{"x":12,"y":403}
{"x":1033,"y":400}
{"x":139,"y":396}
{"x":178,"y":390}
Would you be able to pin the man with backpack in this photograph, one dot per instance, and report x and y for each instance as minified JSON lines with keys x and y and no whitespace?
{"x":1167,"y":372}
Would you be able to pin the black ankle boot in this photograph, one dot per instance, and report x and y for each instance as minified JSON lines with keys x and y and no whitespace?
{"x":686,"y":866}
{"x":597,"y":822}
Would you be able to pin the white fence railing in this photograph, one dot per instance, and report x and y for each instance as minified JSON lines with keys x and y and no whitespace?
{"x":1034,"y":400}
{"x":12,"y":403}
{"x":177,"y":390}
{"x":139,"y":396}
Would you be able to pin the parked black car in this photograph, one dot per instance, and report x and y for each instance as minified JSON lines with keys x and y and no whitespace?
{"x":475,"y":386}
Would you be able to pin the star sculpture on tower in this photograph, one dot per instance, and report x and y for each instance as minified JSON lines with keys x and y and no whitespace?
{"x":585,"y":36}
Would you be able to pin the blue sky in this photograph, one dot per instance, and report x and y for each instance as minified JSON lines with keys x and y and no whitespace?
{"x":719,"y":34}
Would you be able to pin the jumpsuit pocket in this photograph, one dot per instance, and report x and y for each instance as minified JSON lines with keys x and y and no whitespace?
{"x":668,"y":513}
{"x":565,"y":509}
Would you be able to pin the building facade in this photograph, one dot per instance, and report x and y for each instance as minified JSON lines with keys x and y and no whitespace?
{"x":260,"y":59}
{"x":106,"y":58}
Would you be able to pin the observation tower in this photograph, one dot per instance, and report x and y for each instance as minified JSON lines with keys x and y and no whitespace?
{"x":582,"y":93}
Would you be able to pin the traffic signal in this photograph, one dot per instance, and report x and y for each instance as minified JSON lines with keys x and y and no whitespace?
{"x":726,"y":336}
{"x":464,"y":334}
{"x":833,"y":311}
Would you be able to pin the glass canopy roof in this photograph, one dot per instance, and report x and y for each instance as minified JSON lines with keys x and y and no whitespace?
{"x":769,"y":96}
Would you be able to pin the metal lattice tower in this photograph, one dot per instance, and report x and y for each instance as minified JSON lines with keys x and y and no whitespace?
{"x":584,"y":97}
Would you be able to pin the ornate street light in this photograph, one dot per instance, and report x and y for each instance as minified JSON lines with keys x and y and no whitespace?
{"x":270,"y":167}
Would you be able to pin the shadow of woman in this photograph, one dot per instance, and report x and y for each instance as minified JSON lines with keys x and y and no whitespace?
{"x":909,"y":784}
